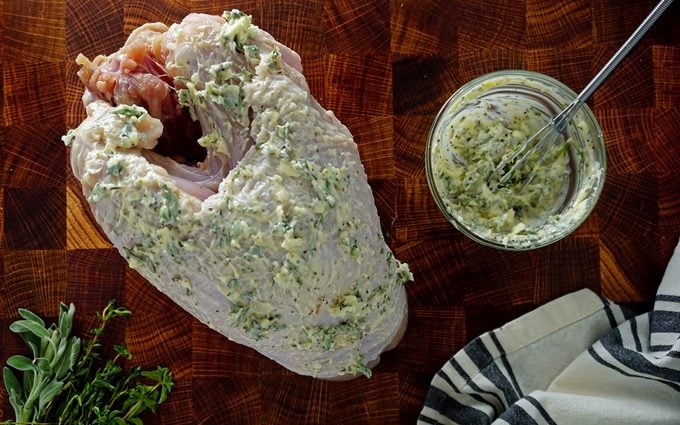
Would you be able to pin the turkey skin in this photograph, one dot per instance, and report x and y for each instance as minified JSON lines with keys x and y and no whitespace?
{"x":270,"y":236}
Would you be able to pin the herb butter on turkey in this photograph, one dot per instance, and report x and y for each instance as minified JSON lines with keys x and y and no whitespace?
{"x":270,"y":234}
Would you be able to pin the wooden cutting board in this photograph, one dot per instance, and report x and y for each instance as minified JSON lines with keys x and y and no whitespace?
{"x":385,"y":67}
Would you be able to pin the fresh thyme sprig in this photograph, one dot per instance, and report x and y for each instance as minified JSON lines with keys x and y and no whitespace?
{"x":63,"y":385}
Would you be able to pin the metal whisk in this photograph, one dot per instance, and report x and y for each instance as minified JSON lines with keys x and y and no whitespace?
{"x":542,"y":140}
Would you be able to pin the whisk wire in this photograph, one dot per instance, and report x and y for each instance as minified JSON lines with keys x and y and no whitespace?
{"x":543,"y":140}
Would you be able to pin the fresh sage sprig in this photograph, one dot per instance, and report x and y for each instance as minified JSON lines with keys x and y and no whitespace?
{"x":63,"y":385}
{"x":55,"y":353}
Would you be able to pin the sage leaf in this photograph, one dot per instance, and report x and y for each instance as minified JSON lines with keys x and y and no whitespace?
{"x":66,"y":359}
{"x":43,"y":365}
{"x":29,"y":378}
{"x":36,"y":329}
{"x":48,"y":393}
{"x":66,"y":319}
{"x":21,"y":363}
{"x":61,"y":349}
{"x":75,"y":351}
{"x":30,"y":316}
{"x":11,"y":381}
{"x":35,"y":347}
{"x":16,"y":402}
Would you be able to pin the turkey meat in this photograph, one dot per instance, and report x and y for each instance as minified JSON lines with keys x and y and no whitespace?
{"x":220,"y":179}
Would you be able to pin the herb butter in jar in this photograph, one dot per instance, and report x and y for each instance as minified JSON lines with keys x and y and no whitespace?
{"x":484,"y":122}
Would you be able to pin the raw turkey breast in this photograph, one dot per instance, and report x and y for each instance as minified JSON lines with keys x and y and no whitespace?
{"x":265,"y":229}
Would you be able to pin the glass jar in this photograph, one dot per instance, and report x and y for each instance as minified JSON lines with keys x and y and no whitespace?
{"x":485,"y":121}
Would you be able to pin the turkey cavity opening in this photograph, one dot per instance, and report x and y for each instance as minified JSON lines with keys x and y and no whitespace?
{"x":137,"y":75}
{"x":193,"y":167}
{"x":196,"y":169}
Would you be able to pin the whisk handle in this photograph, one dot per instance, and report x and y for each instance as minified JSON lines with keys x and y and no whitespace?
{"x":623,"y":50}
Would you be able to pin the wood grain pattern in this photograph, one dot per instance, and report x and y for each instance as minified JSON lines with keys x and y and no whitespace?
{"x":32,"y":92}
{"x":560,"y":24}
{"x":666,"y":76}
{"x":482,"y":25}
{"x":34,"y":156}
{"x":34,"y":30}
{"x":384,"y":67}
{"x":34,"y":218}
{"x":81,"y":229}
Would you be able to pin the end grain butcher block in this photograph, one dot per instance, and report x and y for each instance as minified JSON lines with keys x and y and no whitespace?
{"x":384,"y":68}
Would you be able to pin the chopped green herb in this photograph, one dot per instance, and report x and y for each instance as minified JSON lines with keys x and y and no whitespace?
{"x":169,"y":211}
{"x":129,"y":111}
{"x":404,"y":275}
{"x":274,"y":59}
{"x":115,"y":169}
{"x":252,"y":53}
{"x":360,"y":367}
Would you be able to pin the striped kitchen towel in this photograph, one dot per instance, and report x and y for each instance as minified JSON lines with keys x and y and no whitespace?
{"x":579,"y":359}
